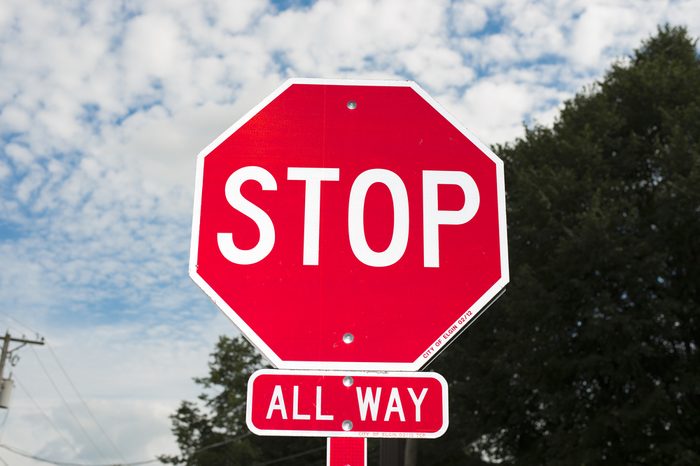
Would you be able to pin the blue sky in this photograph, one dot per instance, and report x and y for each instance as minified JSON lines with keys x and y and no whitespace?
{"x":103,"y":108}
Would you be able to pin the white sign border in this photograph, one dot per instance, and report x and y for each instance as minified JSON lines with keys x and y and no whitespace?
{"x":461,"y":323}
{"x":355,"y":434}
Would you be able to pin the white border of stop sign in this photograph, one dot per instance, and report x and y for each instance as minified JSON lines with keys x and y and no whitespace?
{"x":313,"y":177}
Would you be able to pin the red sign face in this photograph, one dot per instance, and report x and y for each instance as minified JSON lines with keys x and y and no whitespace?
{"x":349,"y":225}
{"x":347,"y":404}
{"x":343,"y":451}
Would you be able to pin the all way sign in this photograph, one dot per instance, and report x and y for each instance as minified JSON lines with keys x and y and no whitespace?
{"x":347,"y":404}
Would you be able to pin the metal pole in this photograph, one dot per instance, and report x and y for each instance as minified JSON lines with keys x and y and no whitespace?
{"x":411,"y":452}
{"x":5,"y":347}
{"x":391,"y":452}
{"x":7,"y":384}
{"x":346,"y":451}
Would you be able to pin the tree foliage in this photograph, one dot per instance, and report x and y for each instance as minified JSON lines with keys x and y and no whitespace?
{"x":591,"y":357}
{"x":213,"y":431}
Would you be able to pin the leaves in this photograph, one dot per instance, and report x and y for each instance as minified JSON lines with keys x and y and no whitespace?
{"x":213,"y":430}
{"x":591,"y":356}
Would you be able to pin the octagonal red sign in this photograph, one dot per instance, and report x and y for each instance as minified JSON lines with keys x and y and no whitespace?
{"x":349,"y":225}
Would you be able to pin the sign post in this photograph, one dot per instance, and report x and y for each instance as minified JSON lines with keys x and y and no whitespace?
{"x":344,"y":451}
{"x":348,"y":226}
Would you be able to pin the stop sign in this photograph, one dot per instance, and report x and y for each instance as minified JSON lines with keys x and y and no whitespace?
{"x":349,"y":225}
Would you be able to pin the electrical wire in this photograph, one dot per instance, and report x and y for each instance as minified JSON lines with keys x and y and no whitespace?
{"x":73,"y":386}
{"x":31,"y":330}
{"x":87,"y":408}
{"x":289,"y":457}
{"x":42,"y":459}
{"x":70,"y":410}
{"x":46,"y":416}
{"x":223,"y":442}
{"x":137,"y":463}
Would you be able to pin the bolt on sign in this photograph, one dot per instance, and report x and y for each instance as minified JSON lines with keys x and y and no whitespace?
{"x":348,"y":226}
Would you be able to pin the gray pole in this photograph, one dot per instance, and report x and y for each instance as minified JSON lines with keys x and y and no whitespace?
{"x":391,"y":452}
{"x":5,"y":347}
{"x":411,"y":452}
{"x":7,"y":384}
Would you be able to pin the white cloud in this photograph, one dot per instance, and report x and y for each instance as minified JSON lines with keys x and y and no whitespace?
{"x":18,"y":154}
{"x":500,"y":48}
{"x":592,"y":34}
{"x":498,"y":108}
{"x":685,"y":12}
{"x":436,"y":67}
{"x":605,"y":30}
{"x":152,"y":48}
{"x":468,"y":17}
{"x":334,"y":36}
{"x":4,"y":170}
{"x":14,"y":119}
{"x":235,"y":17}
{"x":29,"y":184}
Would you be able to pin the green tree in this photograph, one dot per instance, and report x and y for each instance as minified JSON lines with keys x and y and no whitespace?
{"x":213,"y":431}
{"x":591,"y":356}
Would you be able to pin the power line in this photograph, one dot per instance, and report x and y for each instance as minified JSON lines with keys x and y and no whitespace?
{"x":72,"y":384}
{"x":70,"y":410}
{"x":31,"y":330}
{"x":136,"y":463}
{"x":87,"y":408}
{"x":42,"y":459}
{"x":26,"y":454}
{"x":223,"y":442}
{"x":289,"y":457}
{"x":46,"y":416}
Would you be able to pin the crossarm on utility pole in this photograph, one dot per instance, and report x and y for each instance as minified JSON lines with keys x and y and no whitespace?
{"x":27,"y":342}
{"x":6,"y":349}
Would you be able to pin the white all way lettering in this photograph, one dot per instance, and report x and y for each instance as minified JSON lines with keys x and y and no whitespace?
{"x":370,"y":401}
{"x":394,"y":406}
{"x":277,"y":404}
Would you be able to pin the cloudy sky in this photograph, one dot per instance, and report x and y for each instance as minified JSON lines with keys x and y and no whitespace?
{"x":103,"y":108}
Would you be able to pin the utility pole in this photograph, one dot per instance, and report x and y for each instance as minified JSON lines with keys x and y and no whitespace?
{"x":6,"y":384}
